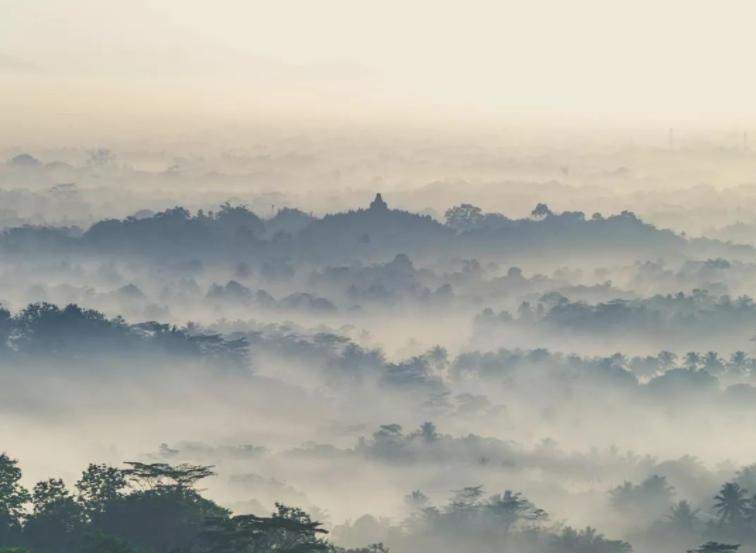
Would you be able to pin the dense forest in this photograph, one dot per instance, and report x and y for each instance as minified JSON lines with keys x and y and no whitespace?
{"x":244,"y":375}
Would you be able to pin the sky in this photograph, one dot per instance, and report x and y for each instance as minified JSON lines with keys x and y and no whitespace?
{"x":584,"y":61}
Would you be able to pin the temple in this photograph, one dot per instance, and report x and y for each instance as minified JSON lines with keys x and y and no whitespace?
{"x":378,"y":203}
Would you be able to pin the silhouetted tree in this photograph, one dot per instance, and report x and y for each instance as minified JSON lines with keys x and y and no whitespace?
{"x":541,"y":211}
{"x":464,"y":218}
{"x":289,"y":530}
{"x":13,"y":497}
{"x":100,"y":485}
{"x":715,"y":547}
{"x":731,"y":503}
{"x":57,"y":521}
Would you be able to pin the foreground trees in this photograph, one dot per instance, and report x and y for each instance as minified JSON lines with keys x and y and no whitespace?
{"x":157,"y":507}
{"x":289,"y":530}
{"x":148,"y":507}
{"x":13,"y":497}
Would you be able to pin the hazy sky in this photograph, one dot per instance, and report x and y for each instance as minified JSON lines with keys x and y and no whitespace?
{"x":579,"y":59}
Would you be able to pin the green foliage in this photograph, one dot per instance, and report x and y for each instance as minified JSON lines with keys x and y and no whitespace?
{"x":13,"y":496}
{"x":99,"y":486}
{"x":715,"y":547}
{"x":167,"y":515}
{"x":372,"y":548}
{"x":157,"y":475}
{"x":74,"y":333}
{"x":289,"y":530}
{"x":161,"y":518}
{"x":580,"y":541}
{"x":464,"y":218}
{"x":731,"y":503}
{"x":683,"y":517}
{"x":102,"y":543}
{"x":57,"y":520}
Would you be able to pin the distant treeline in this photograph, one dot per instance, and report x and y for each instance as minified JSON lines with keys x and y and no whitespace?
{"x":235,"y":230}
{"x":73,"y":333}
{"x":661,"y":314}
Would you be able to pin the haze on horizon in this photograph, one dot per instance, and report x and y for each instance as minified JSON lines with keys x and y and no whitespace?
{"x":432,"y":276}
{"x":588,"y":63}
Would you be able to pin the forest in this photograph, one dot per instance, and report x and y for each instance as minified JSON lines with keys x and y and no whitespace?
{"x":198,"y":363}
{"x":306,"y":276}
{"x":158,"y":507}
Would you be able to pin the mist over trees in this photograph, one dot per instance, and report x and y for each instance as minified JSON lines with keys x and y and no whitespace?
{"x":536,"y":367}
{"x":377,"y":277}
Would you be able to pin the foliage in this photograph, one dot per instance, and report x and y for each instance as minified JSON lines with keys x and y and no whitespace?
{"x":289,"y":530}
{"x":75,"y":333}
{"x":13,"y":497}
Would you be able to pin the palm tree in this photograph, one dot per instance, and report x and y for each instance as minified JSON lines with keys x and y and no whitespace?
{"x":746,"y":477}
{"x":666,"y":359}
{"x":571,"y":540}
{"x":712,"y":363}
{"x":509,"y":508}
{"x":738,"y":362}
{"x":683,"y":516}
{"x":439,"y":359}
{"x":750,"y":513}
{"x":692,"y":360}
{"x":416,"y":501}
{"x":731,"y":503}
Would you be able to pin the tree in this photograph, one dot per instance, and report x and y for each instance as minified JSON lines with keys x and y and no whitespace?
{"x":541,"y":211}
{"x":438,"y":357}
{"x":649,"y":500}
{"x":164,"y":513}
{"x":98,"y":486}
{"x":587,"y":540}
{"x":372,"y":548}
{"x":427,"y":433}
{"x":666,"y":359}
{"x":416,"y":501}
{"x":464,"y":218}
{"x":510,"y":508}
{"x":57,"y":522}
{"x":712,"y":363}
{"x":100,"y":157}
{"x":738,"y":362}
{"x":715,"y":547}
{"x":692,"y":360}
{"x":750,"y":512}
{"x":731,"y":503}
{"x":102,"y":543}
{"x":466,"y":497}
{"x":288,"y":530}
{"x":239,"y":221}
{"x":746,"y":477}
{"x":156,"y":475}
{"x":13,"y":496}
{"x":683,"y":517}
{"x":164,"y":518}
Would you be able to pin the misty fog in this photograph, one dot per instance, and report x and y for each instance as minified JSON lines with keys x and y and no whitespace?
{"x":303,"y":278}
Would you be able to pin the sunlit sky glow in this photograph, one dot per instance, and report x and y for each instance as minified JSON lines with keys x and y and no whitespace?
{"x":581,"y":60}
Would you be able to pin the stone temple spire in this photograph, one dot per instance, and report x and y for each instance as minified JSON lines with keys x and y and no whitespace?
{"x":378,"y":204}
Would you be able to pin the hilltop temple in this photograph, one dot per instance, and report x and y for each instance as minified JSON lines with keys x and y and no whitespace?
{"x":378,"y":204}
